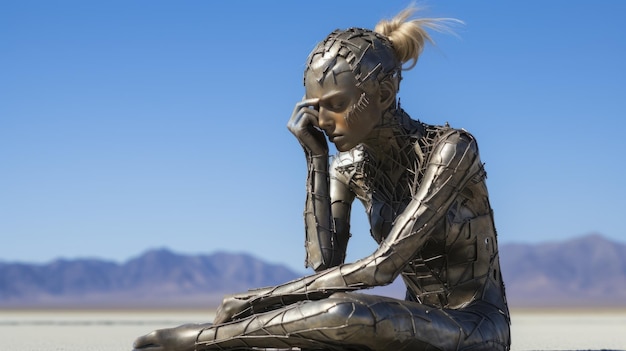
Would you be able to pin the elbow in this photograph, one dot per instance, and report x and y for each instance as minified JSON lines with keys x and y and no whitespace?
{"x":331,"y":257}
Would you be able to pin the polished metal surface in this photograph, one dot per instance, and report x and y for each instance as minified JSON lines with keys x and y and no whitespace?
{"x":423,"y":187}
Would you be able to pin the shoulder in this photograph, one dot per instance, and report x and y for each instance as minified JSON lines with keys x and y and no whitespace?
{"x":458,"y":136}
{"x":435,"y":137}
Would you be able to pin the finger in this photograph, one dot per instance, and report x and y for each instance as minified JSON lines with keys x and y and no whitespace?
{"x":220,"y":316}
{"x":303,"y":117}
{"x":220,"y":320}
{"x":307,"y":103}
{"x":311,"y":119}
{"x":304,"y":104}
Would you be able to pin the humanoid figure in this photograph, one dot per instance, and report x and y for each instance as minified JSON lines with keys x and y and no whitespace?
{"x":423,"y":187}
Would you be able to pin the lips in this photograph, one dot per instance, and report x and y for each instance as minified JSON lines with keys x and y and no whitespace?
{"x":334,"y":137}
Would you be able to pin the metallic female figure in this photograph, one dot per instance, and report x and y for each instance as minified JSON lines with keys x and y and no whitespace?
{"x":423,"y":187}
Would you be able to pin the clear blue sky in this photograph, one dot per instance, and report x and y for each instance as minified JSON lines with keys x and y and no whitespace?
{"x":129,"y":125}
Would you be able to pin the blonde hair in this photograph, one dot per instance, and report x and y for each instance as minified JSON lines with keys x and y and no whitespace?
{"x":408,"y":37}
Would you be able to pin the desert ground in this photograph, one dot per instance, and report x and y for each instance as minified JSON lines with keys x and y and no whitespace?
{"x":87,"y":330}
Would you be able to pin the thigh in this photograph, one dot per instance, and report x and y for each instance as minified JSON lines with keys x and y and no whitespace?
{"x":410,"y":325}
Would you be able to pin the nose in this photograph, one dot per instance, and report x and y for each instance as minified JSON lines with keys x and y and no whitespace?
{"x":325,"y":120}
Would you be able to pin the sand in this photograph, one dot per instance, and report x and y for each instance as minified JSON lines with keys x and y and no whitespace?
{"x":115,"y":330}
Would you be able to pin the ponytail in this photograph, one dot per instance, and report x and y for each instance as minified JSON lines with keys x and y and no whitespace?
{"x":409,"y":37}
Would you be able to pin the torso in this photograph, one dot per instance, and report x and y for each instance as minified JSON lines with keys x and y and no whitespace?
{"x":456,"y":265}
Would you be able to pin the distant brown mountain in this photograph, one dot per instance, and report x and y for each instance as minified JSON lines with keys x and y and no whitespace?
{"x":587,"y":271}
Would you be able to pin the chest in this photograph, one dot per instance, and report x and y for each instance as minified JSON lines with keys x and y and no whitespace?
{"x":385,"y":193}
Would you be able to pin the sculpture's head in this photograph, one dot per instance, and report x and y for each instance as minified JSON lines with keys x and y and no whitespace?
{"x":355,"y":75}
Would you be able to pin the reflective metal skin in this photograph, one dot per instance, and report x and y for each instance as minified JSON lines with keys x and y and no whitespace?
{"x":424,"y":191}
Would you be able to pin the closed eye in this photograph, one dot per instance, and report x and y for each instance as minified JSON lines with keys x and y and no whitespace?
{"x":336,"y":103}
{"x":339,"y":107}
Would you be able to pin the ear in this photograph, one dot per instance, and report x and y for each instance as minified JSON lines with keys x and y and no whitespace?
{"x":387,"y":93}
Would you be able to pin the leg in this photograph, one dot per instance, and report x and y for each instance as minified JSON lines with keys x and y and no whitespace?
{"x":321,"y":324}
{"x":351,"y":321}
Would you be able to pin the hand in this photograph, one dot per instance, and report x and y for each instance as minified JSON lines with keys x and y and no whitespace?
{"x":182,"y":338}
{"x":233,"y":307}
{"x":304,"y":125}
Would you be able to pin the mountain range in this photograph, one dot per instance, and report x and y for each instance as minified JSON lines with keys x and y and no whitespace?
{"x":588,"y":271}
{"x":157,"y":278}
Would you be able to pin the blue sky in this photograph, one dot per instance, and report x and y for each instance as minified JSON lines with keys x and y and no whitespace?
{"x":129,"y":125}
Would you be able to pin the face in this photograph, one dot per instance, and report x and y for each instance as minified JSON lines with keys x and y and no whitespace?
{"x":346,"y":113}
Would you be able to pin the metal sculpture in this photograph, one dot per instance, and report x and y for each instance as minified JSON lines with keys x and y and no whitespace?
{"x":423,"y":187}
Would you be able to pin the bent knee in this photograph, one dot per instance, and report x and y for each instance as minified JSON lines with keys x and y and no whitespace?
{"x":341,"y":311}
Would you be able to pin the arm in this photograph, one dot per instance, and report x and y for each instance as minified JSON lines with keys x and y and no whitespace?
{"x":454,"y":162}
{"x":321,"y":251}
{"x":322,"y":247}
{"x":341,"y":199}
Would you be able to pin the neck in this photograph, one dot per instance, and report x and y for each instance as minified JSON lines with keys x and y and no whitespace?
{"x":394,"y":135}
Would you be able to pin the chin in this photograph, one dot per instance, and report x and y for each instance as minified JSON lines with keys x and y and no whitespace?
{"x":344,"y":147}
